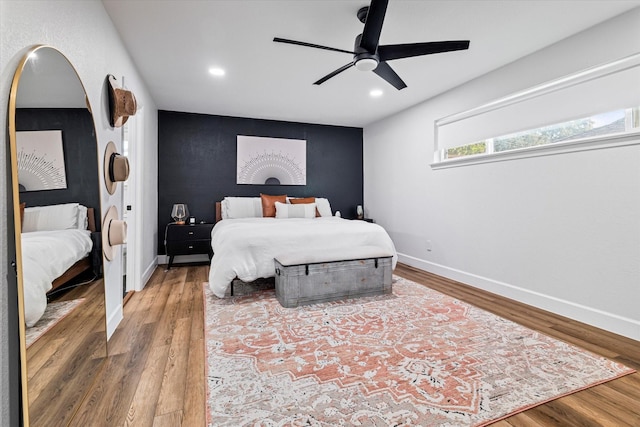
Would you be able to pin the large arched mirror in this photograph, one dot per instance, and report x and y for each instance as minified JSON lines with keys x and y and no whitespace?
{"x":55,"y":184}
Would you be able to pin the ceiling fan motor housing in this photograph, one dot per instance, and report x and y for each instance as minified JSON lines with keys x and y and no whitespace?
{"x":363,"y":59}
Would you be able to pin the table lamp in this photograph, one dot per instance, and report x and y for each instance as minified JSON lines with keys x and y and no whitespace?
{"x":179,"y":213}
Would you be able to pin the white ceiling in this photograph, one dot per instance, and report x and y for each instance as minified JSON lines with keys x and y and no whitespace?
{"x":175,"y":42}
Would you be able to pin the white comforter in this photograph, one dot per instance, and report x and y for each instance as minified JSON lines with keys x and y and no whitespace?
{"x":45,"y":256}
{"x":245,"y":248}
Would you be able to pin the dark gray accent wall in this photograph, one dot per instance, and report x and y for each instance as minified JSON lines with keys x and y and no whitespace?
{"x":80,"y":155}
{"x":197,"y":163}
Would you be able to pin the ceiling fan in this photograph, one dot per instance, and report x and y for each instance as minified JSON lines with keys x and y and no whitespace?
{"x":369,"y":56}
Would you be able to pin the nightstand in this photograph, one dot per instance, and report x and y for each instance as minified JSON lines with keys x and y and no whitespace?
{"x":366,"y":219}
{"x":185,"y":239}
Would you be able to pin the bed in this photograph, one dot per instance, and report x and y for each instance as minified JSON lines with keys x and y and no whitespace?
{"x":56,"y":247}
{"x":245,"y":244}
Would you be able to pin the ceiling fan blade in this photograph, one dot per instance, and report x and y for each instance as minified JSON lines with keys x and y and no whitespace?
{"x":398,"y":51}
{"x":386,"y":72}
{"x":334,"y":73}
{"x":317,"y":46}
{"x":373,"y":25}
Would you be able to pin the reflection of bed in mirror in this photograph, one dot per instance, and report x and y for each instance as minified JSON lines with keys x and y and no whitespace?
{"x":57,"y":247}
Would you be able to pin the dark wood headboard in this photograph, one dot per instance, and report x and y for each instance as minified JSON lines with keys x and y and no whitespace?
{"x":91,"y":219}
{"x":218,"y":211}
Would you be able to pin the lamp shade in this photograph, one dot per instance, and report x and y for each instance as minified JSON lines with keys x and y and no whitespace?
{"x":179,"y":212}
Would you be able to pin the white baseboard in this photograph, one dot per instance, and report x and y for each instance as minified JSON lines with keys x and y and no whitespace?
{"x":113,"y":321}
{"x":608,"y":321}
{"x":147,"y":274}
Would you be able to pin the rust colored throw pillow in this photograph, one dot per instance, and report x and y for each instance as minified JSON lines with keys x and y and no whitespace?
{"x":304,"y":201}
{"x":269,"y":204}
{"x":22,"y":206}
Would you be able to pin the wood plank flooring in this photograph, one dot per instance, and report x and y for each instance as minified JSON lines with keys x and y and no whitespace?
{"x":155,"y":368}
{"x":62,"y":363}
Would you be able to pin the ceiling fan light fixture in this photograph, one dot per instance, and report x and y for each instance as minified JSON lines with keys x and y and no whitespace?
{"x":366,"y":64}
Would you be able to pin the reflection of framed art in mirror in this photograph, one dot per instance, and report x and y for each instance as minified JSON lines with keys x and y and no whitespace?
{"x":40,"y":160}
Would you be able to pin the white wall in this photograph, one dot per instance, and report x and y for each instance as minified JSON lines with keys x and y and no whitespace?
{"x":83,"y":31}
{"x":148,"y":161}
{"x":560,"y":232}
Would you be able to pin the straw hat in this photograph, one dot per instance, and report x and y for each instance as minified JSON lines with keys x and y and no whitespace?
{"x":122,"y":103}
{"x":116,"y":167}
{"x":114,"y":233}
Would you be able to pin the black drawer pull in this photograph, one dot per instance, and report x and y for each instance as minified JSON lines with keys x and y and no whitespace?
{"x":190,"y":246}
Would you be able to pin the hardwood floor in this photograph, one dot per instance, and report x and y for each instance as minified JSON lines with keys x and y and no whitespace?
{"x":155,"y":368}
{"x":62,"y":363}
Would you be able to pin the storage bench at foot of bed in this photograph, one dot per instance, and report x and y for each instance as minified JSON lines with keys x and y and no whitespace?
{"x":310,"y":277}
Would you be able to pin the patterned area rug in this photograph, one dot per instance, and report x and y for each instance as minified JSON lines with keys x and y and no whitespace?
{"x":415,"y":357}
{"x":54,"y":313}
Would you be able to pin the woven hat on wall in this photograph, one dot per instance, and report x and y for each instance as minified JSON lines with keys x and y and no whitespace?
{"x":114,"y":233}
{"x":116,"y":167}
{"x":122,"y":103}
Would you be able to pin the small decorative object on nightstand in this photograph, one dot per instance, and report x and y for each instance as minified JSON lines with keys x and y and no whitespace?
{"x":179,"y":212}
{"x":360,"y":212}
{"x":183,"y":239}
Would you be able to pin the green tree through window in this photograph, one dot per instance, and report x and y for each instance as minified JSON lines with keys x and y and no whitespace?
{"x":598,"y":125}
{"x":543,"y":136}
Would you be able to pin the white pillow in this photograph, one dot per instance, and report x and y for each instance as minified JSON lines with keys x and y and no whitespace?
{"x":54,"y":217}
{"x":285,"y":210}
{"x":241,"y":207}
{"x":324,"y":208}
{"x":83,"y":221}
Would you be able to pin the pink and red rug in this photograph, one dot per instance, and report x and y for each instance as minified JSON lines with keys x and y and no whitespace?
{"x":416,"y":357}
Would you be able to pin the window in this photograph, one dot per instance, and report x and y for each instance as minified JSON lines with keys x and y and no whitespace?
{"x":600,"y":104}
{"x":599,"y":125}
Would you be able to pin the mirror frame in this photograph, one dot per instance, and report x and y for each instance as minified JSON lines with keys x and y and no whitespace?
{"x":16,"y":214}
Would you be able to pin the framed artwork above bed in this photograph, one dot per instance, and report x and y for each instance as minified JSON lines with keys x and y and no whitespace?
{"x":271,"y":161}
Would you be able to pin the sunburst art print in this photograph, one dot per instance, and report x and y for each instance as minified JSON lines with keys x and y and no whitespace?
{"x":40,"y":160}
{"x":271,"y":161}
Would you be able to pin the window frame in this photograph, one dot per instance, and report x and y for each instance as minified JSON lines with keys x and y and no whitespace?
{"x":631,"y":137}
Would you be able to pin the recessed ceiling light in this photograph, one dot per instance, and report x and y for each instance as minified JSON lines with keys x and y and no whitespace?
{"x":218,"y":72}
{"x":375,"y":93}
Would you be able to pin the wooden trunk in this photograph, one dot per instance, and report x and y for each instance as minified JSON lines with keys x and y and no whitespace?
{"x":300,"y":283}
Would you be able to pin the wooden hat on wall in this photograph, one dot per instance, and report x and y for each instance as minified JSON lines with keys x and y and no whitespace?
{"x":122,"y":103}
